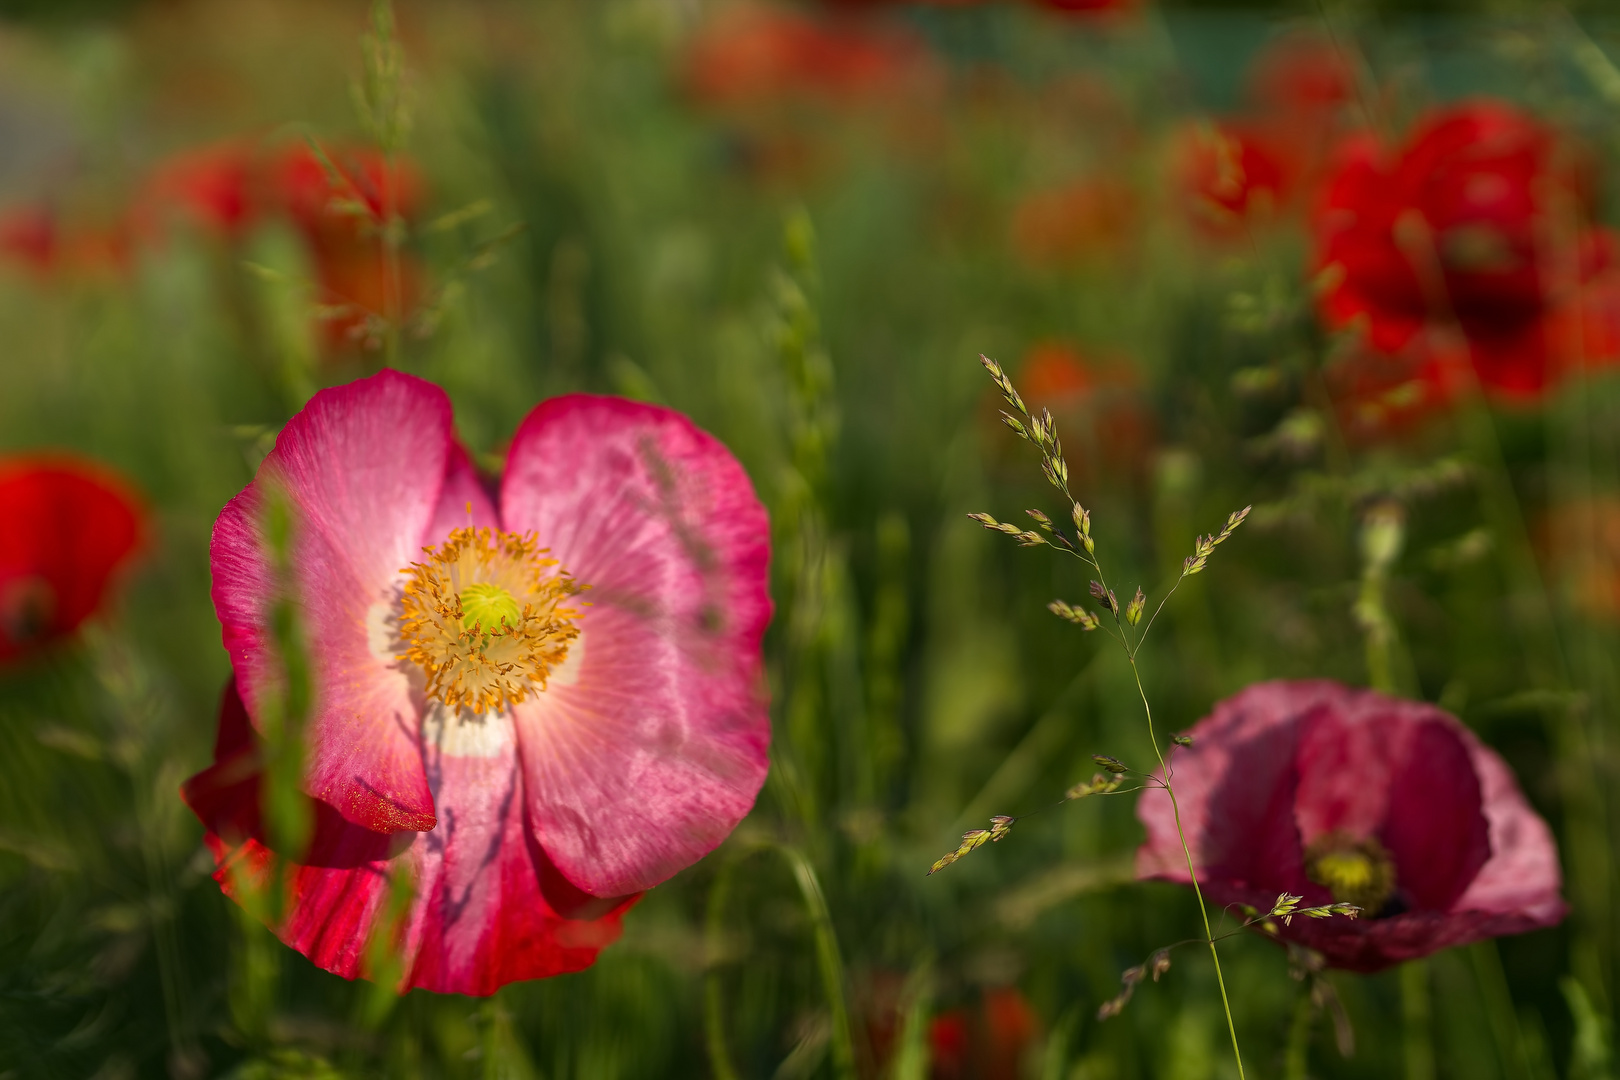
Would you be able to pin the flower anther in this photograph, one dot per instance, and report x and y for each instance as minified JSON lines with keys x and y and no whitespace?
{"x":487,"y":618}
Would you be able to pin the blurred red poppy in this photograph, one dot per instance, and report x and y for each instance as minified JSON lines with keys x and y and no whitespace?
{"x":28,"y":236}
{"x":987,"y":1043}
{"x":342,"y":207}
{"x":1343,"y":795}
{"x":1229,"y":174}
{"x":214,"y":187}
{"x":1377,"y":395}
{"x":1580,"y":541}
{"x":1301,"y":75}
{"x":1101,"y":417}
{"x":1478,"y":223}
{"x":36,"y":238}
{"x":66,"y":528}
{"x":1088,"y":7}
{"x":754,"y":55}
{"x":1087,"y":217}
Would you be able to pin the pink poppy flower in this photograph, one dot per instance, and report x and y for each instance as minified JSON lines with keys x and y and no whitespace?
{"x":1335,"y":794}
{"x":536,"y":701}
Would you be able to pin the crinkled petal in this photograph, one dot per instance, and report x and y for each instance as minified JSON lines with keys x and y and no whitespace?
{"x":362,"y":468}
{"x":483,"y":906}
{"x":646,"y":752}
{"x":1522,"y":876}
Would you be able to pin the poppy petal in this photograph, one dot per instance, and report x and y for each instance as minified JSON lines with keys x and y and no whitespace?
{"x":645,"y":755}
{"x":362,"y":467}
{"x":485,"y":906}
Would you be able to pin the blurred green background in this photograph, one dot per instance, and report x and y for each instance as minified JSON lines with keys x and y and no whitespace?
{"x":810,"y":273}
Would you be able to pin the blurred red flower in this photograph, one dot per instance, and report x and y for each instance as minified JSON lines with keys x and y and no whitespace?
{"x":342,"y":207}
{"x":754,"y":55}
{"x":1580,"y":540}
{"x":214,"y":187}
{"x":1101,"y":417}
{"x":1229,"y":173}
{"x":35,"y":238}
{"x":1337,"y":794}
{"x":1303,"y":76}
{"x":28,"y":236}
{"x":987,"y":1043}
{"x":1271,"y":157}
{"x":1088,"y":7}
{"x":1458,"y":230}
{"x":1090,"y":216}
{"x":1378,"y":395}
{"x":66,"y":528}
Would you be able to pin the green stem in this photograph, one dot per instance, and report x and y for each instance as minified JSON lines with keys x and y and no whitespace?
{"x":1186,"y":852}
{"x":1296,"y":1060}
{"x":1416,"y":1017}
{"x":714,"y":1021}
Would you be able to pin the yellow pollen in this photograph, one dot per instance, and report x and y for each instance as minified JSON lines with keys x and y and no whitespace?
{"x":1356,"y":872}
{"x":486,"y":618}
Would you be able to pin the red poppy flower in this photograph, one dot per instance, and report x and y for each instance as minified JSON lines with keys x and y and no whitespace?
{"x":1580,"y":541}
{"x":481,"y":722}
{"x":1087,"y":217}
{"x":36,"y":237}
{"x":1100,"y":414}
{"x":1336,"y":794}
{"x":988,"y":1042}
{"x":66,"y":528}
{"x":1088,"y":7}
{"x":213,"y":186}
{"x":1455,"y":229}
{"x":29,"y":236}
{"x":1228,"y":174}
{"x":342,"y":211}
{"x":1377,"y":395}
{"x":1301,"y":75}
{"x":763,"y":55}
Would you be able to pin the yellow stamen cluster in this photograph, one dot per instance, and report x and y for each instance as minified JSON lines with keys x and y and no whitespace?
{"x":1358,"y":872}
{"x":484,"y":618}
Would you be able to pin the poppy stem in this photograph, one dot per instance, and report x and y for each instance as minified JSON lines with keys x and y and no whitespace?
{"x":1181,"y":834}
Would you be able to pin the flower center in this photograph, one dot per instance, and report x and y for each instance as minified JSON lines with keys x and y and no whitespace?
{"x":488,"y":606}
{"x":27,"y":606}
{"x":1355,"y":871}
{"x":486,"y":618}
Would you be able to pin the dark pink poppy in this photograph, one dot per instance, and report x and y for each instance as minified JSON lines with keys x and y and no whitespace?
{"x":1338,"y":794}
{"x":561,"y":677}
{"x":66,"y":528}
